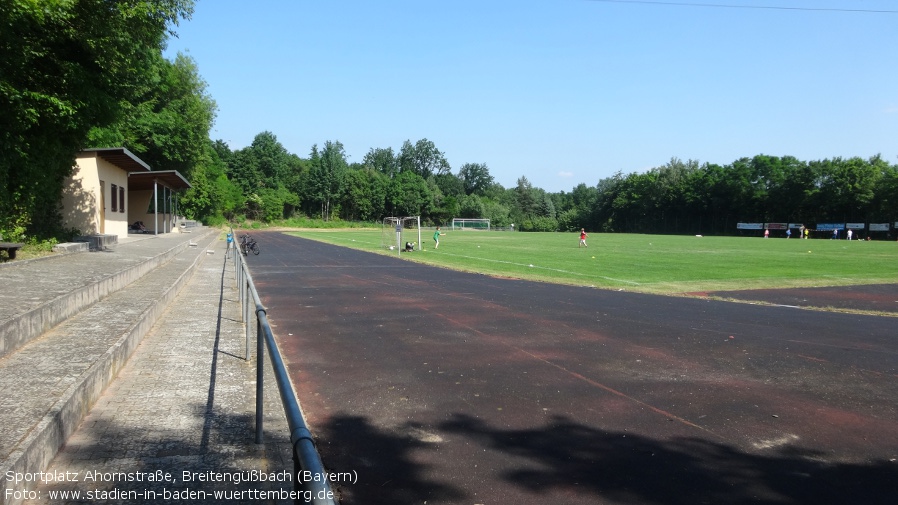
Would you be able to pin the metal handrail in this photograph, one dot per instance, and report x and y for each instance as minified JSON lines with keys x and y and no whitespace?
{"x":309,"y":475}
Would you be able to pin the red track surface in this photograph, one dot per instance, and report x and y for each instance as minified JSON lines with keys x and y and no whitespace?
{"x":875,"y":297}
{"x":443,"y":387}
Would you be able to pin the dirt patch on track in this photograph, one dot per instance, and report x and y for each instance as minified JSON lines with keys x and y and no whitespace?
{"x":878,"y":298}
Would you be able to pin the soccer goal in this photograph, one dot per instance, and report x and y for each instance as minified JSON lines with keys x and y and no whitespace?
{"x":396,"y":231}
{"x":470,"y":224}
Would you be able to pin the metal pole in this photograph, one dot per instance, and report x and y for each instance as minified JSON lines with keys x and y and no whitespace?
{"x":260,"y":376}
{"x":241,"y":275}
{"x":155,"y":207}
{"x":246,"y":321}
{"x":166,"y":214}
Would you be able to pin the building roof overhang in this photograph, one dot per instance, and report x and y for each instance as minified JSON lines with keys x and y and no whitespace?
{"x":171,"y":179}
{"x":122,"y":158}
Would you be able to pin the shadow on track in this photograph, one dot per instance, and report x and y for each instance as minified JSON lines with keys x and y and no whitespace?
{"x":589,"y":464}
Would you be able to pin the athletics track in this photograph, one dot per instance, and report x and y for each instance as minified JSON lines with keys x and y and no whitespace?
{"x":441,"y":387}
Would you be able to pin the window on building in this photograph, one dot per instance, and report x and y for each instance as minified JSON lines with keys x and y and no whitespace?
{"x":114,"y":198}
{"x":121,"y":199}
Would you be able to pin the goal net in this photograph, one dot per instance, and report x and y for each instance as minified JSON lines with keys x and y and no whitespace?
{"x":397,"y":231}
{"x":470,"y":224}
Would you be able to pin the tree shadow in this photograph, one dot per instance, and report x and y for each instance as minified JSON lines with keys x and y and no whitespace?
{"x":633,"y":468}
{"x":389,"y":471}
{"x":106,"y":457}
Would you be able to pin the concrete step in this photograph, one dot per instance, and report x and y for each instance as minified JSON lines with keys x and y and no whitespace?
{"x":39,"y":294}
{"x":51,"y":382}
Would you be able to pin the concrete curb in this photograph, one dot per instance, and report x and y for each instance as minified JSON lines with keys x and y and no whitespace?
{"x":35,"y":452}
{"x":19,"y":330}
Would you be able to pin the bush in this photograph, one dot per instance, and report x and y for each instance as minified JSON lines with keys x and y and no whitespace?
{"x":540,"y":224}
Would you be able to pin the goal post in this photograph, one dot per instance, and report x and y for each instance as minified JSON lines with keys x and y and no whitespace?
{"x":470,"y":224}
{"x":396,"y":231}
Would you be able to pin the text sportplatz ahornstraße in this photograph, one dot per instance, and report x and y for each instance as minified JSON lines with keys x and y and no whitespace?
{"x":182,"y":485}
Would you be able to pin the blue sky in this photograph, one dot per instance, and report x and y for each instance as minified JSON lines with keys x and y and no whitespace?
{"x":560,"y":91}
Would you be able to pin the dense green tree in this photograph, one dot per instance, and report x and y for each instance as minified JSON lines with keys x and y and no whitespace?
{"x":498,"y":214}
{"x":213,"y":198}
{"x":223,"y":151}
{"x":475,"y":177}
{"x":326,"y":176}
{"x":846,"y":188}
{"x":168,"y":126}
{"x":471,"y":206}
{"x":884,"y":206}
{"x":365,"y":193}
{"x":546,"y":206}
{"x":524,"y":200}
{"x":271,"y":160}
{"x":265,"y":172}
{"x":408,"y":195}
{"x":422,"y":158}
{"x":243,"y":169}
{"x":450,"y":185}
{"x":584,"y":201}
{"x":382,"y":160}
{"x":66,"y":67}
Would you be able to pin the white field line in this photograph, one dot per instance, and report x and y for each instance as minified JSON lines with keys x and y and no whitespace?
{"x":581,"y":274}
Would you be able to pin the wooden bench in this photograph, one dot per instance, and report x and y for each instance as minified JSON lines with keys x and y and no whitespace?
{"x":10,"y":248}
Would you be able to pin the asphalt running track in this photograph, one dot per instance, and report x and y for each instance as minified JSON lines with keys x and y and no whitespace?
{"x":440,"y":387}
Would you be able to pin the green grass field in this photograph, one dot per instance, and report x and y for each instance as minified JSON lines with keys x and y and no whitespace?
{"x":646,"y":263}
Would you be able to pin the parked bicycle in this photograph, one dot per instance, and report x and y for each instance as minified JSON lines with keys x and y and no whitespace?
{"x":248,"y":244}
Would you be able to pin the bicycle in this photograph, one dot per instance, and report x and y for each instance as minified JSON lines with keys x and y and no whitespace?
{"x":248,"y":243}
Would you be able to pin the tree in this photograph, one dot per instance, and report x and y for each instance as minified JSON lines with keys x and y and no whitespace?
{"x":326,"y":175}
{"x":524,"y":197}
{"x":67,"y":67}
{"x":450,"y":185}
{"x":409,"y":195}
{"x":475,"y":177}
{"x":847,"y":187}
{"x":365,"y":192}
{"x":382,"y":160}
{"x":423,"y":158}
{"x":169,"y":126}
{"x":213,"y":198}
{"x":471,"y":206}
{"x":266,"y":174}
{"x":498,"y":214}
{"x":885,"y":205}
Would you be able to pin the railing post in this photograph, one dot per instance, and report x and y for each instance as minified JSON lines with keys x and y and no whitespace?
{"x":246,"y":321}
{"x":260,"y":376}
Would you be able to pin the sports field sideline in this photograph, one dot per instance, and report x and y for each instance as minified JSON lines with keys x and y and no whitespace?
{"x":664,"y":264}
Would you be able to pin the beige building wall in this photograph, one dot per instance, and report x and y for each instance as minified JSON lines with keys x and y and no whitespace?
{"x":137,"y":211}
{"x":87,"y":197}
{"x":163,"y":222}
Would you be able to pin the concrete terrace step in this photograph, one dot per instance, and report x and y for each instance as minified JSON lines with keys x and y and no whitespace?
{"x":39,"y":294}
{"x":51,"y":382}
